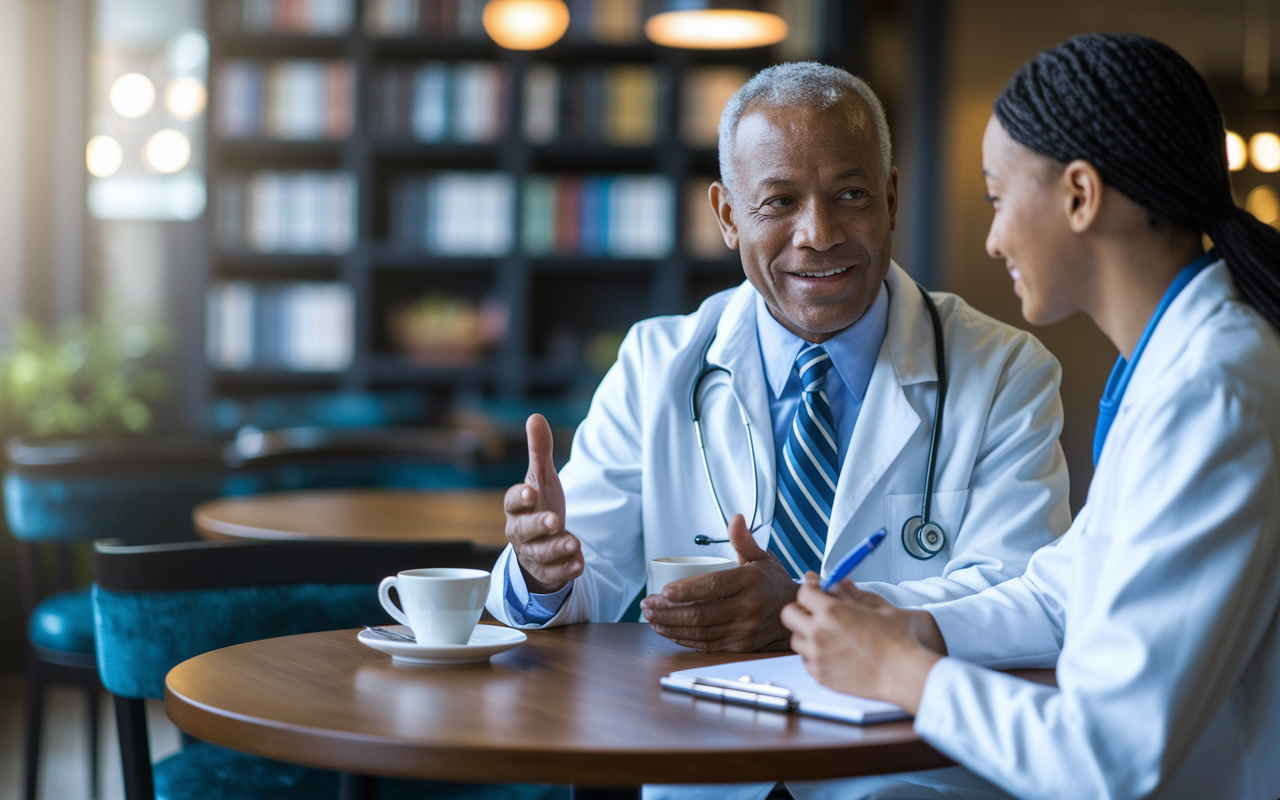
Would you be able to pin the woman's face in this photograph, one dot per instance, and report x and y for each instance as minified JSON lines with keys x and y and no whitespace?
{"x":1031,"y":229}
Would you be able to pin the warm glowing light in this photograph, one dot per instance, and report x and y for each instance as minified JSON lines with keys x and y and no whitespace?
{"x":132,"y":95}
{"x":185,"y":98}
{"x":168,"y":151}
{"x":526,"y":24}
{"x":1264,"y":151}
{"x":103,"y":156}
{"x":715,"y":29}
{"x":1264,"y":203}
{"x":1237,"y":153}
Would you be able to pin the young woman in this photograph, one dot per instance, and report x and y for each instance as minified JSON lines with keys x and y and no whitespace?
{"x":1105,"y":163}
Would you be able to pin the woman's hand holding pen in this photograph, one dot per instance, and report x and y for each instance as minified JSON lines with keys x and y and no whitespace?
{"x":859,"y":643}
{"x":549,"y":555}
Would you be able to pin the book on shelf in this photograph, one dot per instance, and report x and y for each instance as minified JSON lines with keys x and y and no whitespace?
{"x":431,"y":19}
{"x":304,"y":326}
{"x":313,"y":17}
{"x":437,"y":101}
{"x":614,"y":216}
{"x":617,"y":105}
{"x":704,"y":93}
{"x":473,"y":214}
{"x":606,"y":21}
{"x":454,"y":213}
{"x":295,"y":99}
{"x":307,"y":212}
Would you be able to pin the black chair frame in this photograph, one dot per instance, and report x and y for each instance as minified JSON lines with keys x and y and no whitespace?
{"x":45,"y":666}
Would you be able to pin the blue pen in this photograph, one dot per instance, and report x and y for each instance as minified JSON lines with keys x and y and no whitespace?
{"x":855,"y":557}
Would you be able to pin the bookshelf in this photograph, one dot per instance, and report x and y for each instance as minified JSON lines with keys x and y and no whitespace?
{"x":482,"y":221}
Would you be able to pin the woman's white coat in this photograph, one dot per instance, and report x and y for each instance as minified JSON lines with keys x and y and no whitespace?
{"x":1160,"y":607}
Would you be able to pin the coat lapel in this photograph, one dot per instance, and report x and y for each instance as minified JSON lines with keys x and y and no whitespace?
{"x":887,"y":419}
{"x":737,"y":348}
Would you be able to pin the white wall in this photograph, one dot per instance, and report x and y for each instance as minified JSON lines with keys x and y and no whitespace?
{"x":12,"y":244}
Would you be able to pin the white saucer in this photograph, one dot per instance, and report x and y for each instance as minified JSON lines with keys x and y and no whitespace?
{"x":486,"y":640}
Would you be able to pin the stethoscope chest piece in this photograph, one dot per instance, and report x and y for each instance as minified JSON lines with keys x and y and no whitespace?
{"x":923,"y":541}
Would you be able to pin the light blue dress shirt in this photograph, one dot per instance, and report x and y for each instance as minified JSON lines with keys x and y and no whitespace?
{"x":853,"y":353}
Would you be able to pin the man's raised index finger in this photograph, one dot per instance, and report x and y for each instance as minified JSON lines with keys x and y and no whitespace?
{"x":541,"y":445}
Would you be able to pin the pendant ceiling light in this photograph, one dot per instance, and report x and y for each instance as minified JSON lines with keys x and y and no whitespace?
{"x":526,"y":24}
{"x":714,"y":25}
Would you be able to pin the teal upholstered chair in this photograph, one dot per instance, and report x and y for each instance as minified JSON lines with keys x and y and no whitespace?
{"x":324,"y":409}
{"x":156,"y":606}
{"x":58,"y":493}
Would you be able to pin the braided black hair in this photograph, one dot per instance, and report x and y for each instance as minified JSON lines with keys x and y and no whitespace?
{"x":1146,"y":120}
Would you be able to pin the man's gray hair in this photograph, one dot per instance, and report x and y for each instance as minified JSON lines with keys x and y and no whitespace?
{"x":804,"y":83}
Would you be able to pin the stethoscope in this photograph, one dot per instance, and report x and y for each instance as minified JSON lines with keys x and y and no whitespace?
{"x":921,"y":536}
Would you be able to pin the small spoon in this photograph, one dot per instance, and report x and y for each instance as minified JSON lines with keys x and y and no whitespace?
{"x":386,"y":634}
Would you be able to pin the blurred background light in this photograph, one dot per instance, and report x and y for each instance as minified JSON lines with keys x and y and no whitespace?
{"x":1237,"y":153}
{"x":1264,"y":204}
{"x":168,"y":151}
{"x":189,"y":51}
{"x":155,"y":197}
{"x":103,"y":156}
{"x":708,"y":24}
{"x":132,"y":95}
{"x":525,"y":24}
{"x":1264,"y":151}
{"x":185,"y":98}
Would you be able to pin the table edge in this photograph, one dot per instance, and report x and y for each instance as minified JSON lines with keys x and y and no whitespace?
{"x":373,"y":755}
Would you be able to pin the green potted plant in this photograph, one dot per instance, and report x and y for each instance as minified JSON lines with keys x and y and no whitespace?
{"x":84,"y":379}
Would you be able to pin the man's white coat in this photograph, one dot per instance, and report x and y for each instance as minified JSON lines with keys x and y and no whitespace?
{"x":635,"y":488}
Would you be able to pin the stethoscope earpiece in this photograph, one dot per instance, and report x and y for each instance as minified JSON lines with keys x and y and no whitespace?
{"x":704,"y":539}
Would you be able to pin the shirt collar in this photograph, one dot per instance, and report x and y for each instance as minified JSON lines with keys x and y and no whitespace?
{"x":853,"y":351}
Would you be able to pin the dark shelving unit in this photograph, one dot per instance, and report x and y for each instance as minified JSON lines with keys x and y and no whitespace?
{"x":551,"y":299}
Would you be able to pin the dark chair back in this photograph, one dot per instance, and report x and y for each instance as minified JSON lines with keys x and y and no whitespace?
{"x":139,"y":490}
{"x":388,"y":458}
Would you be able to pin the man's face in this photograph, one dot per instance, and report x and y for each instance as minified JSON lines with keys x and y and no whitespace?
{"x":812,"y":213}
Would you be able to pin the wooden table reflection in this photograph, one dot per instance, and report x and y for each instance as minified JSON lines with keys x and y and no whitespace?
{"x":574,"y":705}
{"x":368,"y":515}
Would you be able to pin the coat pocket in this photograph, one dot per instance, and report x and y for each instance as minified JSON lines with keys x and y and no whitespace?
{"x":947,"y":511}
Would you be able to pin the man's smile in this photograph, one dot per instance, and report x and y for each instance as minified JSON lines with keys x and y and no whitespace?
{"x":827,"y":274}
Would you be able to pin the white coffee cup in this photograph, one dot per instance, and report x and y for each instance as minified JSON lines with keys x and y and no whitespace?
{"x":441,"y":604}
{"x":665,"y":570}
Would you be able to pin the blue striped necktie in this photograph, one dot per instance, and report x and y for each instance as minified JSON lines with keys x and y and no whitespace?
{"x":808,"y":473}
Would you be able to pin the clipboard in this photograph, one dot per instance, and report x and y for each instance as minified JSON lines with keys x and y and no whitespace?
{"x":779,"y":684}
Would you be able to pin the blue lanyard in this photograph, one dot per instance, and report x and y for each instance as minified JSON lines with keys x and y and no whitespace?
{"x":1123,"y":370}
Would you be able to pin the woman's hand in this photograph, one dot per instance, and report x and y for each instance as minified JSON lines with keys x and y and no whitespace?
{"x":859,"y":643}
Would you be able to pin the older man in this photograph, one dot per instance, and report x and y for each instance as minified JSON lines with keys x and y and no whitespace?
{"x":827,"y":354}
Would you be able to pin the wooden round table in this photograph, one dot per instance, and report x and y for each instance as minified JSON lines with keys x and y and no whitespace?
{"x":367,"y":515}
{"x":574,"y":705}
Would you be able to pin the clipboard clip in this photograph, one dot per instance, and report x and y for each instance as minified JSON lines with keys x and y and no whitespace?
{"x":746,"y":692}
